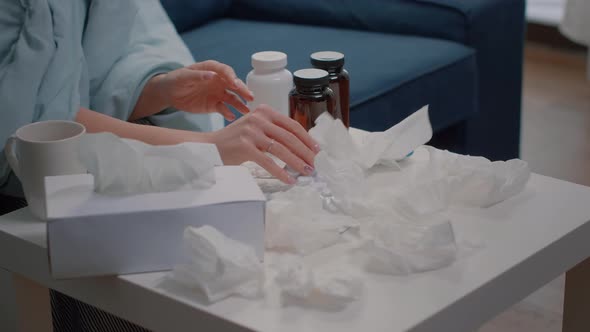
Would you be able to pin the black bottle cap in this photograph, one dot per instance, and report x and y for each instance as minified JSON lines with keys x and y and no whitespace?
{"x":311,"y":77}
{"x":327,"y":60}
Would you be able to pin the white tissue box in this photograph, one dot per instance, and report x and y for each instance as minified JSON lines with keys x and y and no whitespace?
{"x":93,"y":235}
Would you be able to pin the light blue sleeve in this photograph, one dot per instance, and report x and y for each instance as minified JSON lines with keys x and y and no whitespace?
{"x":59,"y":55}
{"x":40,"y":67}
{"x":121,"y":61}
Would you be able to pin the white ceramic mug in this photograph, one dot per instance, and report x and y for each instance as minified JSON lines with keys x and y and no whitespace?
{"x":43,"y":149}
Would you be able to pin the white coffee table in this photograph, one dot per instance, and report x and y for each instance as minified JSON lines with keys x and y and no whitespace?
{"x":529,"y":240}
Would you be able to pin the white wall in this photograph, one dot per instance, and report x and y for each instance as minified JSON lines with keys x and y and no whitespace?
{"x":548,"y":12}
{"x":7,"y":304}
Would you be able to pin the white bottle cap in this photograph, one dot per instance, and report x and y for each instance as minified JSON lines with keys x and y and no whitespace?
{"x":269,"y":60}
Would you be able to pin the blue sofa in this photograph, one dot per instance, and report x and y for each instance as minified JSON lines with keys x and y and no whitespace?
{"x":463,"y":57}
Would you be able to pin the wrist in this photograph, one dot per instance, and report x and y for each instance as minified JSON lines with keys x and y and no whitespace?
{"x":178,"y":136}
{"x":153,"y":99}
{"x":207,"y":137}
{"x":159,"y":88}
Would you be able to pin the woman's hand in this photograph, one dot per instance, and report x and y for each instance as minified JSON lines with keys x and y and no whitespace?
{"x":265,"y":130}
{"x":247,"y":139}
{"x":203,"y":87}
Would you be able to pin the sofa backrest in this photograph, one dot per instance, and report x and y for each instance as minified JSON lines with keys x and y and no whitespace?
{"x":188,"y":14}
{"x":416,"y":17}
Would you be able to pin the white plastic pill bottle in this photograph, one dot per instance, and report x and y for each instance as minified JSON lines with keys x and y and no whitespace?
{"x":270,"y":81}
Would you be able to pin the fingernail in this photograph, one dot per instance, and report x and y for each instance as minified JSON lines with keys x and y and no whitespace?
{"x":291,"y":180}
{"x":308,"y":170}
{"x":237,"y":82}
{"x":208,"y":75}
{"x":316,"y":148}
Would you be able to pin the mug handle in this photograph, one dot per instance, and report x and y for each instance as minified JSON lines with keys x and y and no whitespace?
{"x":10,"y":152}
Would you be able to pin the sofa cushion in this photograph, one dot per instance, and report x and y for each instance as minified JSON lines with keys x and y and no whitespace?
{"x":187,"y":14}
{"x":391,"y":75}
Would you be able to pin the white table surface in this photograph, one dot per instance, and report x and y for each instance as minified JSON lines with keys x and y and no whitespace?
{"x":528,"y":240}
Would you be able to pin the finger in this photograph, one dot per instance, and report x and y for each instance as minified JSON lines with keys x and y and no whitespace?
{"x":200,"y":75}
{"x":223,"y":110}
{"x":240,"y":88}
{"x":234,"y":101}
{"x":229,"y":76}
{"x":290,"y":125}
{"x":224,"y":71}
{"x":268,"y":164}
{"x":280,"y":151}
{"x":243,"y":90}
{"x":293,"y":144}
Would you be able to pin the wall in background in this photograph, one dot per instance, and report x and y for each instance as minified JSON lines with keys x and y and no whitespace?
{"x":547,"y":12}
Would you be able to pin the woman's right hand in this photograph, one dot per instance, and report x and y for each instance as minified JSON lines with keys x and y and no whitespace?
{"x":204,"y":87}
{"x":265,"y":130}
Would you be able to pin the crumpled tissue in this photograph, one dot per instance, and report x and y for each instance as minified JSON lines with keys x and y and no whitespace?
{"x":385,"y":148}
{"x":388,"y":210}
{"x":400,"y":206}
{"x":124,"y":166}
{"x":343,"y":164}
{"x":295,"y":278}
{"x":424,"y":243}
{"x":219,"y":266}
{"x":396,"y":143}
{"x":475,"y":181}
{"x":297,"y":222}
{"x":405,"y":228}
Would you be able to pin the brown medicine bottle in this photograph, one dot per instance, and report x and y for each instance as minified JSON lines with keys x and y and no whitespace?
{"x":311,"y":96}
{"x":333,"y":63}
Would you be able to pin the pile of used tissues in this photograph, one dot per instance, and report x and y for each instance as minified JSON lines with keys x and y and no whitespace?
{"x":386,"y":210}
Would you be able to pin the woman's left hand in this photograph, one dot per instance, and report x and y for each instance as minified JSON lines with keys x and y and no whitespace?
{"x":205,"y":87}
{"x":266,"y":131}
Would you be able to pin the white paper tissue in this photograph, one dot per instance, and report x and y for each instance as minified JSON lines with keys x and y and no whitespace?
{"x":219,"y":266}
{"x":295,"y":278}
{"x":385,"y":148}
{"x":333,"y":138}
{"x":399,"y":207}
{"x":122,"y":166}
{"x":407,"y":246}
{"x":297,"y":222}
{"x":343,"y":164}
{"x":476,"y":181}
{"x":395,"y":206}
{"x":394,"y":144}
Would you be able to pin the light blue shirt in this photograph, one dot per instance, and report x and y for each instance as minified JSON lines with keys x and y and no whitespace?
{"x":59,"y":55}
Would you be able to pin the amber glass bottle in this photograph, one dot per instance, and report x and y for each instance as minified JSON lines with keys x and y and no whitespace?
{"x":311,"y":96}
{"x":333,"y":63}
